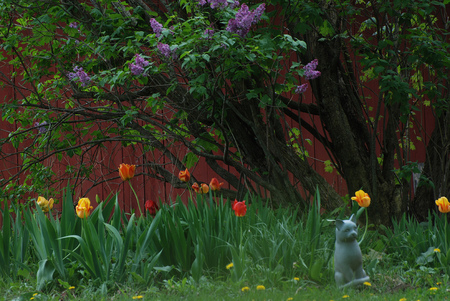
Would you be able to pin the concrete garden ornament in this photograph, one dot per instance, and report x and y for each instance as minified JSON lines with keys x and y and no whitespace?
{"x":347,"y":255}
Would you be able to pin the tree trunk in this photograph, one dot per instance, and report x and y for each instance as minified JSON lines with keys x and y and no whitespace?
{"x":436,"y":169}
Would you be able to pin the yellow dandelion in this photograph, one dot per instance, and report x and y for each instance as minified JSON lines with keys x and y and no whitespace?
{"x":433,"y":288}
{"x":438,"y":283}
{"x":72,"y":287}
{"x":229,"y":266}
{"x":289,"y":299}
{"x":402,"y":299}
{"x":260,"y":288}
{"x":345,"y":296}
{"x":296,"y":278}
{"x":35,"y":294}
{"x":437,"y":250}
{"x":245,"y":289}
{"x":138,"y":297}
{"x":367,"y":283}
{"x":32,"y":298}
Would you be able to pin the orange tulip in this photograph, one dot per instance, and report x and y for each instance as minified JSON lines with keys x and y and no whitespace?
{"x":361,"y":198}
{"x":44,"y":204}
{"x":84,"y":208}
{"x":443,"y":204}
{"x":202,"y":188}
{"x":184,"y":176}
{"x":126,"y":171}
{"x":215,"y":185}
{"x":240,"y":209}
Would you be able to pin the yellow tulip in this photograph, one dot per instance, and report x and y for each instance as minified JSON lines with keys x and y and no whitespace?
{"x":362,"y":198}
{"x":44,"y":204}
{"x":84,"y":208}
{"x":443,"y":204}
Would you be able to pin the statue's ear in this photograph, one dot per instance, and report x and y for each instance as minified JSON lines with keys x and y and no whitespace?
{"x":339,"y":224}
{"x":353,"y":218}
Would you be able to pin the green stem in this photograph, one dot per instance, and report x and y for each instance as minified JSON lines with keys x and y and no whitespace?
{"x":365,"y":229}
{"x":137,"y":199}
{"x":445,"y":233}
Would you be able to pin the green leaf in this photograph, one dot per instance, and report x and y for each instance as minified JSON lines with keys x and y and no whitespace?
{"x":190,"y":159}
{"x":44,"y":273}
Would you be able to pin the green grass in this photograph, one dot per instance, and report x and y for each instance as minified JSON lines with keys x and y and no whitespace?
{"x":182,"y":254}
{"x":384,"y":287}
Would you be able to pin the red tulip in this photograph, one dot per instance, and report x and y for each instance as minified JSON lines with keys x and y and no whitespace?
{"x":152,"y":207}
{"x":240,"y":209}
{"x":184,"y":176}
{"x":215,"y":185}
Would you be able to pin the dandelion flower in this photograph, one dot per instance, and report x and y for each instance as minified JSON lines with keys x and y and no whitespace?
{"x":138,"y":297}
{"x":402,"y":299}
{"x":437,"y":250}
{"x":367,"y":283}
{"x":72,"y":287}
{"x":433,"y":288}
{"x":289,"y":299}
{"x":296,"y":279}
{"x":245,"y":289}
{"x":229,"y":266}
{"x":260,"y":288}
{"x":345,"y":296}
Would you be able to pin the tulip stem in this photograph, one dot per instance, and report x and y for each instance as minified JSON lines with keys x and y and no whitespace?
{"x":137,"y":199}
{"x":445,"y":233}
{"x":367,"y":225}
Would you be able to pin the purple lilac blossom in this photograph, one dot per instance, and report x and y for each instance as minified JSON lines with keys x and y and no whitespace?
{"x":156,"y":26}
{"x":234,"y":4}
{"x":83,"y":78}
{"x":41,"y":126}
{"x":301,"y":89}
{"x":73,"y":25}
{"x":165,"y":49}
{"x":214,"y":3}
{"x":310,"y":70}
{"x":244,"y":19}
{"x":209,"y":33}
{"x":258,"y":12}
{"x":218,"y":3}
{"x":137,"y":68}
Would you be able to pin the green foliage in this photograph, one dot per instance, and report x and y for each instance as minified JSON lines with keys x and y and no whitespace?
{"x":185,"y":247}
